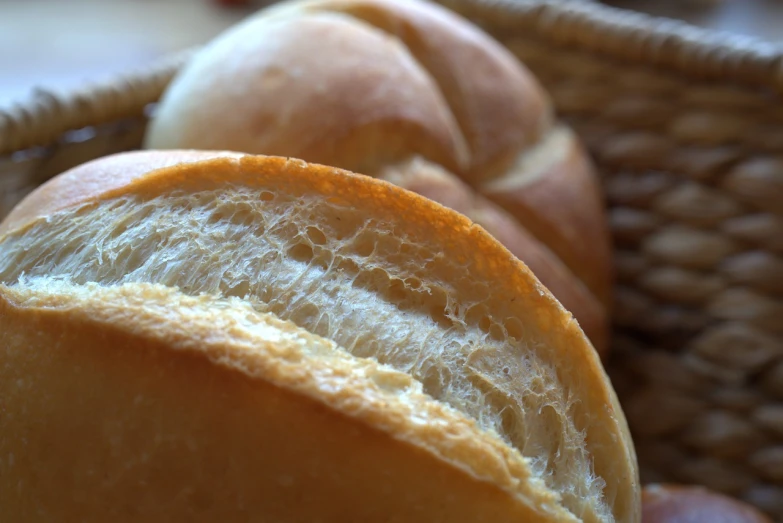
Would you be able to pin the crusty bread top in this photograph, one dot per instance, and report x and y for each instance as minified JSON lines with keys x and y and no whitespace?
{"x":382,"y":272}
{"x":358,"y":84}
{"x":431,"y":181}
{"x":369,"y":85}
{"x":94,"y":179}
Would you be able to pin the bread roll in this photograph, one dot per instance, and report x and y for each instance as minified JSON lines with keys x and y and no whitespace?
{"x":691,"y":504}
{"x":385,"y":85}
{"x":206,"y":336}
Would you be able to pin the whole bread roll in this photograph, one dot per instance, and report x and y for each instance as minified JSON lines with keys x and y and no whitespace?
{"x":383,"y":86}
{"x":693,"y":504}
{"x":207,"y":336}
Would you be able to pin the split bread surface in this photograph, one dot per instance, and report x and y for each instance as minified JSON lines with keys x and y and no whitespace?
{"x":207,"y":335}
{"x":384,"y":87}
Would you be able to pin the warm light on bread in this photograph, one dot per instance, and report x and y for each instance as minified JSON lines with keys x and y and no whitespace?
{"x":204,"y":336}
{"x":377,"y":86}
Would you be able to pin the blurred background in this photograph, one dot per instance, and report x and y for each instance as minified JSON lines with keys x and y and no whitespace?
{"x":60,"y":44}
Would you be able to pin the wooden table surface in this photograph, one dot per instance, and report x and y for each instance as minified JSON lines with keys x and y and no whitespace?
{"x":58,"y":44}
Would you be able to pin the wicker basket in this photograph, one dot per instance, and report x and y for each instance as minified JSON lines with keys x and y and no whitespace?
{"x":687,"y":130}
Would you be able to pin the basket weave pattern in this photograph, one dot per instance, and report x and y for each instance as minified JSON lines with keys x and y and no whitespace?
{"x":695,"y":190}
{"x":692,"y":164}
{"x":687,"y":133}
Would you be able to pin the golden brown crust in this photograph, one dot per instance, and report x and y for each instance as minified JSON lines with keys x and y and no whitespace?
{"x":515,"y":293}
{"x":128,"y":405}
{"x":89,"y":180}
{"x":446,"y":189}
{"x":683,"y":504}
{"x":500,"y":107}
{"x":560,"y":203}
{"x":392,"y":107}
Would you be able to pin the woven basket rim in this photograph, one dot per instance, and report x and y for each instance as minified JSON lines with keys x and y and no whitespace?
{"x":610,"y":32}
{"x":47,"y":114}
{"x":653,"y":41}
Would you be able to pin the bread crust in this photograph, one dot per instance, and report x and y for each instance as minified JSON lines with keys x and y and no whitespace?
{"x":484,"y":264}
{"x":95,"y":178}
{"x":499,"y":106}
{"x":553,"y":192}
{"x":446,"y":189}
{"x":391,"y":107}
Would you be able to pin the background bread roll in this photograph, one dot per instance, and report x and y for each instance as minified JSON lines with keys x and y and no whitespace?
{"x":688,"y":504}
{"x":203,"y":336}
{"x":375,"y":86}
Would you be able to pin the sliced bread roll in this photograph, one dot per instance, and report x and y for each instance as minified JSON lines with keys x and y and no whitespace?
{"x":197,"y":336}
